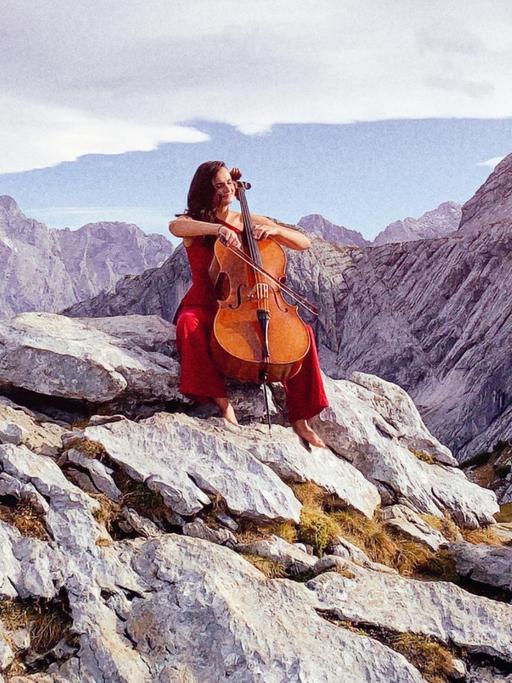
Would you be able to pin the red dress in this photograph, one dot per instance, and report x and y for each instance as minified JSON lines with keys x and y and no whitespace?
{"x":201,"y":379}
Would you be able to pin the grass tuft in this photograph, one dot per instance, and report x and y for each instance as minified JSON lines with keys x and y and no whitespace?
{"x":346,"y":572}
{"x":424,"y":457}
{"x":23,"y":515}
{"x":46,"y":621}
{"x":109,"y":511}
{"x":485,"y":535}
{"x":92,"y":449}
{"x":271,"y":568}
{"x":445,"y":525}
{"x":138,"y":496}
{"x":433,"y":660}
{"x":317,"y":528}
{"x":505,"y":513}
{"x":252,"y":531}
{"x":368,"y":534}
{"x":309,"y":494}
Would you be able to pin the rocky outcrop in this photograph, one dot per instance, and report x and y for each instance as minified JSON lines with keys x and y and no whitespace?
{"x":436,"y":609}
{"x":317,"y":225}
{"x":376,"y":427}
{"x":138,"y":533}
{"x":48,"y":269}
{"x":439,"y":222}
{"x":491,"y":566}
{"x":45,"y":353}
{"x":491,"y":205}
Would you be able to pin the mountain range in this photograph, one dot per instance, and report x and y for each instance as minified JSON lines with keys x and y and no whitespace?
{"x":47,"y":269}
{"x":438,"y":222}
{"x":432,"y":315}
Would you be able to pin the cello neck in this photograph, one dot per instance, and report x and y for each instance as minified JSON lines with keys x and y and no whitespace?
{"x":252,"y":247}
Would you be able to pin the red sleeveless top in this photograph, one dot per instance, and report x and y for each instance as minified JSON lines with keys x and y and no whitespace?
{"x":200,"y":254}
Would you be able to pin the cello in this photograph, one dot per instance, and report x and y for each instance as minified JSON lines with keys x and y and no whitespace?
{"x":257,"y":335}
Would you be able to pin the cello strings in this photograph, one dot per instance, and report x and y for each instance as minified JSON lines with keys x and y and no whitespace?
{"x":261,"y":290}
{"x":297,"y":297}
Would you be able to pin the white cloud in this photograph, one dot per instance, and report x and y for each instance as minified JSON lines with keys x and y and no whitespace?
{"x":34,"y":135}
{"x":108,"y":77}
{"x":491,"y":163}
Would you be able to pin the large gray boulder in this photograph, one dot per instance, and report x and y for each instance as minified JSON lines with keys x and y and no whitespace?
{"x":438,"y":609}
{"x":57,"y":356}
{"x":216,"y":615}
{"x":188,"y":466}
{"x":489,"y":565}
{"x":375,"y":425}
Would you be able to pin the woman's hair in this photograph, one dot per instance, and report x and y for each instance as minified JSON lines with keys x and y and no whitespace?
{"x":201,"y":193}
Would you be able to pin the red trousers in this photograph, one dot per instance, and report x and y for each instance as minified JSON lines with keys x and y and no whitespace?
{"x":201,"y":380}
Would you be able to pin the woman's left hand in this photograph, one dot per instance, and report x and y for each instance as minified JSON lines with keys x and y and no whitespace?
{"x":261,"y":232}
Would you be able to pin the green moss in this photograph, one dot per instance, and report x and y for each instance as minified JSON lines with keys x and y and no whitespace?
{"x":317,"y":528}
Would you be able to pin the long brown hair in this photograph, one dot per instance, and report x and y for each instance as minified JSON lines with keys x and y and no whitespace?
{"x":201,"y":192}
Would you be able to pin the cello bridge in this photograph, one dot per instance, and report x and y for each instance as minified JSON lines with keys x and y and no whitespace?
{"x":260,"y":291}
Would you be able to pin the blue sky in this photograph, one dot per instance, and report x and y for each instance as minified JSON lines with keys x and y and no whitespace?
{"x":365,"y":112}
{"x":362,"y":175}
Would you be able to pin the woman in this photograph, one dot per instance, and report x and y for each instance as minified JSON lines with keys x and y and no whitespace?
{"x":208,"y":217}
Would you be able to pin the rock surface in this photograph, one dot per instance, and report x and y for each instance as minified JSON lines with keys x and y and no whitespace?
{"x":23,"y":426}
{"x":284,"y":453}
{"x":215,"y":599}
{"x":143,"y":604}
{"x":53,"y":355}
{"x":407,"y":521}
{"x":370,"y":423}
{"x":485,"y":564}
{"x":46,"y":269}
{"x":491,"y":205}
{"x":437,"y":609}
{"x":177,"y":458}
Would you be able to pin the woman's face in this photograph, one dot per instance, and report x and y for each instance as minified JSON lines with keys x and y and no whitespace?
{"x":224,"y":187}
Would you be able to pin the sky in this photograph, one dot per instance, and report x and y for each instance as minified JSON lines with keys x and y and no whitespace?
{"x":366,"y":112}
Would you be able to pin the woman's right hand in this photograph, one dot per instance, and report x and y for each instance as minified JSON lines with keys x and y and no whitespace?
{"x":229,"y":237}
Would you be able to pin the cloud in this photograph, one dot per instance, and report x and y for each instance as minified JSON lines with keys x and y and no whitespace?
{"x":109,"y":77}
{"x":34,"y":135}
{"x":491,"y":163}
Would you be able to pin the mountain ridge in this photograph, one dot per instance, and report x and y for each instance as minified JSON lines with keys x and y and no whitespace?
{"x":50,"y":268}
{"x":438,"y":222}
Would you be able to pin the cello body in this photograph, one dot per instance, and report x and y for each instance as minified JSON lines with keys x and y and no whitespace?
{"x":257,"y":335}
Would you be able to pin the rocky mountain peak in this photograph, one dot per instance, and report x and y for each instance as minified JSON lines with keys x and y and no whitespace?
{"x":9,"y":206}
{"x":435,"y":223}
{"x":491,"y":204}
{"x":318,"y":225}
{"x":49,"y":268}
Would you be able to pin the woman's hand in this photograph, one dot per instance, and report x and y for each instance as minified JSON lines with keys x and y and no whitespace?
{"x":261,"y":231}
{"x":229,"y":237}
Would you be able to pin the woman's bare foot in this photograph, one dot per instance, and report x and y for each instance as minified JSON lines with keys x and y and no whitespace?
{"x":226,"y":410}
{"x":305,"y":432}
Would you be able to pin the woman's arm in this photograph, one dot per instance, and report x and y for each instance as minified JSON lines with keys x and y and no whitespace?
{"x":187,"y":228}
{"x":288,"y":237}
